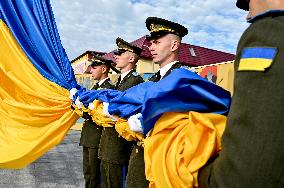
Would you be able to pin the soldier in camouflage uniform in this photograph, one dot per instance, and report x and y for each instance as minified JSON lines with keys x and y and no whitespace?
{"x":91,"y":132}
{"x":114,"y":151}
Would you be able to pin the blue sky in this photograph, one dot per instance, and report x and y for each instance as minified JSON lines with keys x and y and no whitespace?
{"x":95,"y":24}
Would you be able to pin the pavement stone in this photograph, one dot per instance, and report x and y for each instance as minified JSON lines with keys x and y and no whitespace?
{"x":61,"y":167}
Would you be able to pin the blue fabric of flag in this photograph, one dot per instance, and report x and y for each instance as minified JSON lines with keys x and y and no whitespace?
{"x":32,"y":24}
{"x":181,"y":91}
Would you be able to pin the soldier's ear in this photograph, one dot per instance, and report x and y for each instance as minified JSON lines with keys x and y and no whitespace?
{"x":175,"y":45}
{"x":104,"y":69}
{"x":131,"y":58}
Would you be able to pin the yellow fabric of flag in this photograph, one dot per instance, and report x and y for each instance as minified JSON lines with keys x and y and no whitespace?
{"x":121,"y":125}
{"x":35,"y":113}
{"x":179,"y":145}
{"x":99,"y":117}
{"x":123,"y":130}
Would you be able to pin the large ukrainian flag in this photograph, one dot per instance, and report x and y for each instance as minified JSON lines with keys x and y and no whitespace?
{"x":183,"y":115}
{"x":35,"y":77}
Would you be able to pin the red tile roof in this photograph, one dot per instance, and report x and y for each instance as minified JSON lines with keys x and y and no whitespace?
{"x":110,"y":55}
{"x":203,"y":56}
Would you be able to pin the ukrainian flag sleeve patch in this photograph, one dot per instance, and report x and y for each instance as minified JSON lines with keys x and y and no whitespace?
{"x":257,"y":58}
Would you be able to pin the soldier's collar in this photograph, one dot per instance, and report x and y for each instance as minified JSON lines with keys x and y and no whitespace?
{"x":165,"y":68}
{"x":123,"y":75}
{"x":102,"y":81}
{"x":265,"y":14}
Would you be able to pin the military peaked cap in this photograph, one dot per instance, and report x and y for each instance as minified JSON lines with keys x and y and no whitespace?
{"x":99,"y":60}
{"x":159,"y":27}
{"x":124,"y":46}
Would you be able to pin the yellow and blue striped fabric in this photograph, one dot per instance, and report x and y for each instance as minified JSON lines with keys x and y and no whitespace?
{"x":256,"y":58}
{"x":36,"y":77}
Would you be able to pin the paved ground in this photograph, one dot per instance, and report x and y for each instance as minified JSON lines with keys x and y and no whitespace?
{"x":61,"y":167}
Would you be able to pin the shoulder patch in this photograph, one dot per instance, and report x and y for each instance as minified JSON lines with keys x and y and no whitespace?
{"x":257,"y":58}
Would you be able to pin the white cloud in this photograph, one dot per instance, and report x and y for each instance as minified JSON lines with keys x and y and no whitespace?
{"x":94,"y":25}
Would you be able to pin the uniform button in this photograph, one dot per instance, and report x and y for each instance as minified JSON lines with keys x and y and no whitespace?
{"x":118,"y":136}
{"x":98,"y":128}
{"x":136,"y":150}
